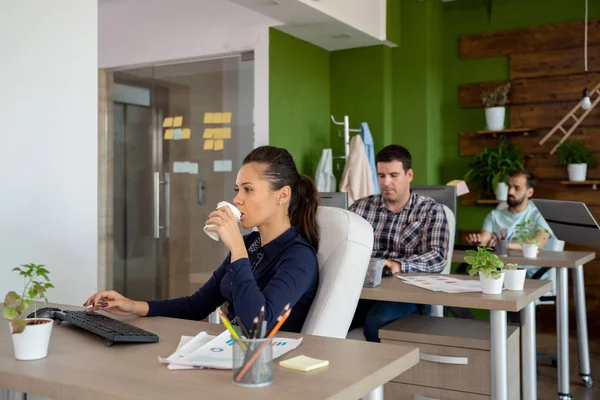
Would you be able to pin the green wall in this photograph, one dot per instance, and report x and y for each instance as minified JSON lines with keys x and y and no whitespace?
{"x":298,"y":99}
{"x":468,"y":17}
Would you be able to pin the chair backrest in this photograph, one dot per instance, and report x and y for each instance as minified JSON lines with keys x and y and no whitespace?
{"x":452,"y":228}
{"x":344,"y":253}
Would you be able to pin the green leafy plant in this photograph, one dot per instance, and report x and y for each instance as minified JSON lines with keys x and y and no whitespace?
{"x":485,"y":261}
{"x":525,"y":232}
{"x":36,"y":282}
{"x":575,"y":152}
{"x":492,"y":166}
{"x":497,"y":97}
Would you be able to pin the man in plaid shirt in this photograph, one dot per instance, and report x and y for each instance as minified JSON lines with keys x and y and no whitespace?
{"x":411,"y":234}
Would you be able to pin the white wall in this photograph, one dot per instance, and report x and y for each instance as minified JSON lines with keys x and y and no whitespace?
{"x":146,"y":32}
{"x":49,"y":151}
{"x":368,"y":16}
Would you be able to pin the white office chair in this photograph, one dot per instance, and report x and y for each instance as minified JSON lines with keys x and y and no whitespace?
{"x":436,"y":310}
{"x":344,"y":253}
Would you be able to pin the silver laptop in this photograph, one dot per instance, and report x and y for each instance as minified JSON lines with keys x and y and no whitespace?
{"x":334,"y":199}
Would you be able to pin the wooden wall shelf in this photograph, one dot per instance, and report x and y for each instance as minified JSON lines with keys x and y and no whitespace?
{"x":487,"y":202}
{"x":594,"y":184}
{"x":524,"y":131}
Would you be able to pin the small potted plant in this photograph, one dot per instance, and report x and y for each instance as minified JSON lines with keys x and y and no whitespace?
{"x":514,"y":278}
{"x":494,"y":103}
{"x":525,"y":235}
{"x":30,"y":336}
{"x":577,"y":158}
{"x":489,"y":267}
{"x":489,"y":170}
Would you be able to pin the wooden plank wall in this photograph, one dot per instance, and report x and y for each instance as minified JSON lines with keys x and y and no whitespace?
{"x":547,"y":80}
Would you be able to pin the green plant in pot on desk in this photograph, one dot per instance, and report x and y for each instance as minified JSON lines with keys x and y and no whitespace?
{"x":30,"y":336}
{"x":489,"y":268}
{"x":489,"y":170}
{"x":577,"y":158}
{"x":529,"y":236}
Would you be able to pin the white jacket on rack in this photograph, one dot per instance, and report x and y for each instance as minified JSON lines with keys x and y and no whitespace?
{"x":357,"y":179}
{"x":324,"y":178}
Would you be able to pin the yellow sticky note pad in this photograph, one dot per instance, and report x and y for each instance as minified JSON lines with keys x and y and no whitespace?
{"x":218,"y":145}
{"x":303,"y":363}
{"x":169,"y":134}
{"x":208,"y":133}
{"x":168,"y":122}
{"x":217,"y":118}
{"x":226,"y":119}
{"x":226,"y":133}
{"x":177,"y":122}
{"x":186,"y":133}
{"x":208,"y":144}
{"x":208,"y":118}
{"x":218,"y":133}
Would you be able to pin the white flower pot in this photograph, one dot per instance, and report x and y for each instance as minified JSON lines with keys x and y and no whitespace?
{"x":530,"y":250}
{"x":577,"y":172}
{"x":490,"y":285}
{"x":32,"y":343}
{"x":501,"y":191}
{"x":494,"y":118}
{"x":514,"y":279}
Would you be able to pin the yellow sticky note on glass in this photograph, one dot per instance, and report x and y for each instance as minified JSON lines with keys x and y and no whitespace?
{"x":186,"y":133}
{"x":218,"y":145}
{"x":217,"y":118}
{"x":226,"y":133}
{"x":218,"y":133}
{"x":169,"y":134}
{"x":168,"y":122}
{"x":177,"y":122}
{"x":303,"y":363}
{"x":208,"y":133}
{"x":208,"y":144}
{"x":208,"y":118}
{"x":226,"y":119}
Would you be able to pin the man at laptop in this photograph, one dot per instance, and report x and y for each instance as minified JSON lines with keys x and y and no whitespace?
{"x":503,"y":222}
{"x":411,"y":234}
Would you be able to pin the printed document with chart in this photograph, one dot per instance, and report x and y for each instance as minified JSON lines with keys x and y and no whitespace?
{"x":207,"y":351}
{"x":442,"y":283}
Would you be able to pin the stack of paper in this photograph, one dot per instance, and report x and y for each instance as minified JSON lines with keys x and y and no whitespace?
{"x":442,"y":283}
{"x":206,"y":351}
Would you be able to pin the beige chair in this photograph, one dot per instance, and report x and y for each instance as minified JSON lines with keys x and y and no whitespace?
{"x":344,"y":253}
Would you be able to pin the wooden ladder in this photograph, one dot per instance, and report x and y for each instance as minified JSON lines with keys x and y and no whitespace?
{"x":571,"y":114}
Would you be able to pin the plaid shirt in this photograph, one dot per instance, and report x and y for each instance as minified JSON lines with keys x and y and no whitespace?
{"x":417,"y":236}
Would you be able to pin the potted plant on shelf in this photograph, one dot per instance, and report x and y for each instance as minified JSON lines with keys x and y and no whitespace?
{"x":489,"y":170}
{"x":494,"y":103}
{"x":30,"y":336}
{"x":489,"y":267}
{"x":514,"y":278}
{"x":525,"y":235}
{"x":577,"y":158}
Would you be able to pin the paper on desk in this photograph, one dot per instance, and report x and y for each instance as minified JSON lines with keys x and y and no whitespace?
{"x":206,"y":351}
{"x":443,"y":283}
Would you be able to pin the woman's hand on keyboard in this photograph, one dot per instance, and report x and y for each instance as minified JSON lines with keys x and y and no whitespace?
{"x":116,"y":303}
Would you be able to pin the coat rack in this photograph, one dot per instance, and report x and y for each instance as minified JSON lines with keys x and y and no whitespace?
{"x":347,"y":130}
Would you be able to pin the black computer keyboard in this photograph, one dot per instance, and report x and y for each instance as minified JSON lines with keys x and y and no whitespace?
{"x":109,"y":328}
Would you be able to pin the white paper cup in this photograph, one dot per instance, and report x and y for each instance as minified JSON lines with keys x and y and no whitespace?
{"x":234,"y":210}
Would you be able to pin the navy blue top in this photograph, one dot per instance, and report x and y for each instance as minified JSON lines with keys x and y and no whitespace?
{"x":283,"y":271}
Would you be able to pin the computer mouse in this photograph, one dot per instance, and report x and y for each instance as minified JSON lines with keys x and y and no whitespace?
{"x":46,"y":312}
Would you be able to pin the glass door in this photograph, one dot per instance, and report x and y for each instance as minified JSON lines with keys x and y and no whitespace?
{"x":180,"y":133}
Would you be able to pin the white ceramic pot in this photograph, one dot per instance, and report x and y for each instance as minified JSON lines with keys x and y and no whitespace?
{"x":490,"y":285}
{"x":514,"y":279}
{"x":501,"y":191}
{"x":577,"y":172}
{"x":32,"y":343}
{"x":494,"y":118}
{"x":530,"y":250}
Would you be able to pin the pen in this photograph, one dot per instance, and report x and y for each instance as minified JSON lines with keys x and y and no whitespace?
{"x":261,"y":317}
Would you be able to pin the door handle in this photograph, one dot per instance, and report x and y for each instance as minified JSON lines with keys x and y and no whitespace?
{"x":157,"y":225}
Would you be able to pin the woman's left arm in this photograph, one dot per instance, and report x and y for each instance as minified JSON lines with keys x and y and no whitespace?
{"x":296,"y":273}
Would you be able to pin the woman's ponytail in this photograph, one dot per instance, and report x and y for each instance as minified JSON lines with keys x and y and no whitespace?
{"x":303,"y":210}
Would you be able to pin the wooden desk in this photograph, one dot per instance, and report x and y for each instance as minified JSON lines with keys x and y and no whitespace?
{"x":79,"y":366}
{"x":562,"y":260}
{"x":394,"y":289}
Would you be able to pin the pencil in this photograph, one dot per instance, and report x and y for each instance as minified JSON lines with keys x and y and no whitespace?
{"x":280,"y":321}
{"x":261,"y":317}
{"x":243,"y":328}
{"x":230,"y":328}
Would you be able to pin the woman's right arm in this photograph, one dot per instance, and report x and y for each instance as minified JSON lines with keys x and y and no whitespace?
{"x":196,"y":307}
